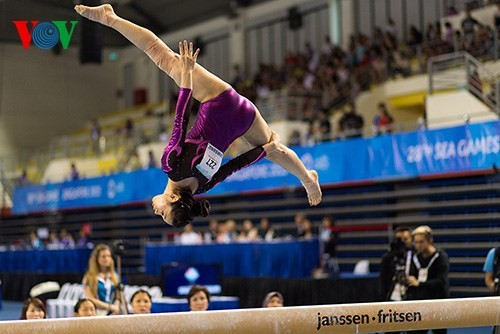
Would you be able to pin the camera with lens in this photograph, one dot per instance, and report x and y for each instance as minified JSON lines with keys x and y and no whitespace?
{"x":118,"y":247}
{"x":398,"y":251}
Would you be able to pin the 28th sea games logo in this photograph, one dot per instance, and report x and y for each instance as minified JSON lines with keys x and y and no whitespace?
{"x":45,"y":35}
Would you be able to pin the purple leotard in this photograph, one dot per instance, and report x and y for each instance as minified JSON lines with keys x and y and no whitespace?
{"x":219,"y":122}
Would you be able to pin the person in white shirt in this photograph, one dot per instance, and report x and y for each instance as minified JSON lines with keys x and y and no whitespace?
{"x":189,"y":237}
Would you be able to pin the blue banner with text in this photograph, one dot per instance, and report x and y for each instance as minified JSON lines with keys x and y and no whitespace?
{"x":457,"y":149}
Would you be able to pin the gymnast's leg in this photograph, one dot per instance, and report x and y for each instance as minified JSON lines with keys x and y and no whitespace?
{"x":284,"y":157}
{"x":205,"y":84}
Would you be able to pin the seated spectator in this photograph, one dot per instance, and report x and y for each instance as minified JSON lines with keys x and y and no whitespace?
{"x":496,"y":17}
{"x":163,"y":135}
{"x":265,"y":231}
{"x":95,"y":136}
{"x":238,"y":75}
{"x":324,"y":127}
{"x":222,"y":234}
{"x":211,"y":234}
{"x":152,"y":163}
{"x":308,"y":230}
{"x":248,"y":231}
{"x":54,"y":242}
{"x":327,"y":47}
{"x":399,"y":64}
{"x":391,"y":30}
{"x":23,"y":179}
{"x":449,"y":34}
{"x":231,"y":229}
{"x":298,"y":230}
{"x":134,"y":163}
{"x":84,"y":240}
{"x":129,"y":128}
{"x":452,"y":11}
{"x":35,"y":242}
{"x":295,"y":138}
{"x":382,"y":122}
{"x":379,"y":67}
{"x":141,"y":302}
{"x":273,"y":299}
{"x":74,"y":174}
{"x":198,"y":298}
{"x":189,"y":237}
{"x":33,"y":309}
{"x":351,"y":123}
{"x":67,"y":241}
{"x":85,"y":308}
{"x":414,"y":37}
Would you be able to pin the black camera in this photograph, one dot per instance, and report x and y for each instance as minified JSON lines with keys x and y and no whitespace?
{"x":118,"y":247}
{"x":397,"y":246}
{"x":398,"y":251}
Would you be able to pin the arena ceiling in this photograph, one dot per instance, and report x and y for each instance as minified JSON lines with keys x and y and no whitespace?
{"x":160,"y":16}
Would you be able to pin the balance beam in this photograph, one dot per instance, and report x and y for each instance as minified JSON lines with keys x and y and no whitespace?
{"x":347,"y":318}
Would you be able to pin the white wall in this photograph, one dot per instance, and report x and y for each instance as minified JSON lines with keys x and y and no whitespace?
{"x":221,"y":53}
{"x":451,"y":109}
{"x":44,"y":95}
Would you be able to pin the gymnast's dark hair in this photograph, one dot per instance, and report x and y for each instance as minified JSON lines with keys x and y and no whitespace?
{"x":187,"y":208}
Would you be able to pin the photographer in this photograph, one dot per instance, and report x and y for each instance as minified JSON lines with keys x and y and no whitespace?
{"x":491,"y":269}
{"x":428,"y":274}
{"x":393,"y":265}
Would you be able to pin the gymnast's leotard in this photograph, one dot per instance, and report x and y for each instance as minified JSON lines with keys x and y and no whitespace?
{"x":219,"y":122}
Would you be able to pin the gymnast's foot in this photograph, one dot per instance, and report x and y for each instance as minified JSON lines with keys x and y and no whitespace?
{"x":103,"y":14}
{"x":312,"y":187}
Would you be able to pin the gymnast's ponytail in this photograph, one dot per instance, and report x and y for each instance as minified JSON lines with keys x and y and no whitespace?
{"x":201,"y":208}
{"x":186,"y":208}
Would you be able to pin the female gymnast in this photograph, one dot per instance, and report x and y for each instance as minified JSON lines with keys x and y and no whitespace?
{"x":192,"y":160}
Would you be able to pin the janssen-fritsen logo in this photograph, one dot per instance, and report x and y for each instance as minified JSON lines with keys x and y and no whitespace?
{"x":45,"y":35}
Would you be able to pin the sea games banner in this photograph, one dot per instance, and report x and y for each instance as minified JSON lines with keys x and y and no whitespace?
{"x":457,"y":149}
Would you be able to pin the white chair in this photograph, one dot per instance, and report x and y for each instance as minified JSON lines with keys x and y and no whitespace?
{"x":155,"y":292}
{"x":362,"y":267}
{"x":52,"y":304}
{"x":68,"y":305}
{"x":129,"y":290}
{"x":63,"y":305}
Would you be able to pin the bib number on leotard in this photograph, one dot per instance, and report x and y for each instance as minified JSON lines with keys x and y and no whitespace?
{"x":211,"y":162}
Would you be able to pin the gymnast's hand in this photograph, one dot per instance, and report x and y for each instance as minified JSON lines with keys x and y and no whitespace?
{"x":273,"y":145}
{"x":188,"y":59}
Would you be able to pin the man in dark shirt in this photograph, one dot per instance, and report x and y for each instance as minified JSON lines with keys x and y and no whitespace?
{"x":392,"y":266}
{"x":428,"y":273}
{"x":351,"y":123}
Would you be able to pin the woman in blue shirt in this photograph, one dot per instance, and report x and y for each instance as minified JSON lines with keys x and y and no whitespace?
{"x":100,"y":281}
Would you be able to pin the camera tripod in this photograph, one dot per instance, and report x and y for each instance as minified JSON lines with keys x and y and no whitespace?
{"x":120,"y":287}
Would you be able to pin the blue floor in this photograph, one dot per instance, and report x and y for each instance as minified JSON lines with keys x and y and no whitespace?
{"x":12,"y":310}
